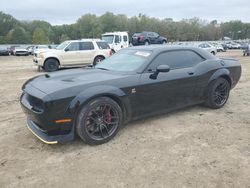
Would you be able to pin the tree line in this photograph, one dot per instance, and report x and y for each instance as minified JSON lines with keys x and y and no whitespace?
{"x":13,"y":31}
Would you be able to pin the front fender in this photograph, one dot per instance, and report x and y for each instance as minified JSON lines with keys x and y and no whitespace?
{"x":93,"y":92}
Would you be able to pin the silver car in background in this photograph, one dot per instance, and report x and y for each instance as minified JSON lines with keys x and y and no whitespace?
{"x":208,"y":47}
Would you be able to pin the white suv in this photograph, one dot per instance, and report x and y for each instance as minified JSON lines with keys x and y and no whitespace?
{"x":73,"y":53}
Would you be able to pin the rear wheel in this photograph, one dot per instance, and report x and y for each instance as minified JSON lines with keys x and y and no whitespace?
{"x":146,"y":42}
{"x":99,"y":121}
{"x":98,"y":59}
{"x":218,"y":93}
{"x":51,"y":65}
{"x":164,"y":42}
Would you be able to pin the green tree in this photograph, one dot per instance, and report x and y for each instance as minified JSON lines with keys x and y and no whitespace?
{"x":17,"y":36}
{"x":40,"y":37}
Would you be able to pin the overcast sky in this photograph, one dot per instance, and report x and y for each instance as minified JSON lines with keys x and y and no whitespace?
{"x":68,"y":11}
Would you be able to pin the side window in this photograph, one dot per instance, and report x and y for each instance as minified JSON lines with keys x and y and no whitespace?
{"x":87,"y":46}
{"x":125,"y":38}
{"x":176,"y":59}
{"x":74,"y":46}
{"x":103,"y":45}
{"x":117,"y":39}
{"x":150,"y":34}
{"x":155,"y":34}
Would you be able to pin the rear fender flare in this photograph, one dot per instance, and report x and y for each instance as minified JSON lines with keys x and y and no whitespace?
{"x":220,"y":73}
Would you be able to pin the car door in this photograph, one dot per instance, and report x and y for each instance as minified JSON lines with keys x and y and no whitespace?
{"x":71,"y":55}
{"x":117,"y":43}
{"x":151,"y":38}
{"x":157,"y":38}
{"x":87,"y":53}
{"x":170,"y":90}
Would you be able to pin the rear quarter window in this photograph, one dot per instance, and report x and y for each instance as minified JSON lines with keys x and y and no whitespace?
{"x":102,"y":45}
{"x":87,"y":46}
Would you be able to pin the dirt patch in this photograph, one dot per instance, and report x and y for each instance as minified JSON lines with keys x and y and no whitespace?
{"x":193,"y":147}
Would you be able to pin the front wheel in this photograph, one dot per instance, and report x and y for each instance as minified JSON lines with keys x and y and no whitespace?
{"x":99,"y":121}
{"x":51,"y":65}
{"x":146,"y":43}
{"x":218,"y":93}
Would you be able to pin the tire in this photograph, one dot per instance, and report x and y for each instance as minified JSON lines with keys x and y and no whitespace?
{"x":97,"y":60}
{"x":91,"y":125}
{"x":51,"y":65}
{"x":146,"y":43}
{"x":164,"y":42}
{"x":218,"y":93}
{"x":213,"y":52}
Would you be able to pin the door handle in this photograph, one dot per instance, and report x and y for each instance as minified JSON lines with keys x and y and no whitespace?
{"x":190,"y":73}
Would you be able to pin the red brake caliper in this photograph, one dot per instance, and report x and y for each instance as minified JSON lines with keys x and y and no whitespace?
{"x":109,"y":117}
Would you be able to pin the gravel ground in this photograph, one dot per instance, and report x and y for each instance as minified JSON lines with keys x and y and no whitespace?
{"x":193,"y":147}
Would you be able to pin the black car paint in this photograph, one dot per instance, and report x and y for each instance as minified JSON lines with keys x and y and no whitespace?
{"x":4,"y":51}
{"x":63,"y":93}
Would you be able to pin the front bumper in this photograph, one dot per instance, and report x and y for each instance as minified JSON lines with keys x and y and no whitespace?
{"x":41,"y":119}
{"x":41,"y":135}
{"x":38,"y":61}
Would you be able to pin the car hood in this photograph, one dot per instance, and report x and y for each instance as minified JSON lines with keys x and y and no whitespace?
{"x":42,"y":50}
{"x":51,"y":52}
{"x":71,"y":82}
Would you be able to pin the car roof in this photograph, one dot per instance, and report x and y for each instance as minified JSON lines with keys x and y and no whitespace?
{"x":116,"y":32}
{"x":85,"y":40}
{"x":161,"y":48}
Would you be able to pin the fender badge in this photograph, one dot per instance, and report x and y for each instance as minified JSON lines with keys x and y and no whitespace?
{"x":133,"y":90}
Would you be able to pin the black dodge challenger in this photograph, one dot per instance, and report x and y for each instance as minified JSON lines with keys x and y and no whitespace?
{"x":136,"y":82}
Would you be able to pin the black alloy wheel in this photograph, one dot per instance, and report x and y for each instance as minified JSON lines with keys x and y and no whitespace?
{"x":99,"y":121}
{"x":218,"y":93}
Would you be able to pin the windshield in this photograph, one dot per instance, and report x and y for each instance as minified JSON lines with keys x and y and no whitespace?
{"x":62,"y":45}
{"x":125,"y":61}
{"x":108,"y":38}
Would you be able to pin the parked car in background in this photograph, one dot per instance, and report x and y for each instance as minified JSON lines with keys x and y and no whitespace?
{"x":246,"y":51}
{"x":233,"y":45}
{"x":73,"y":53}
{"x":20,"y":51}
{"x":30,"y":49}
{"x":4,"y":51}
{"x":218,"y":47}
{"x":134,"y":83}
{"x":12,"y":48}
{"x":146,"y":38}
{"x":116,"y":40}
{"x":39,"y":48}
{"x":224,"y":46}
{"x":244,"y":45}
{"x":208,"y":47}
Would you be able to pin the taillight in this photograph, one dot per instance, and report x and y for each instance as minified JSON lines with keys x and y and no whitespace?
{"x":141,"y":37}
{"x":110,"y":53}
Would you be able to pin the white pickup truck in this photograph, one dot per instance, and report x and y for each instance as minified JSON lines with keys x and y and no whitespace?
{"x":116,"y":40}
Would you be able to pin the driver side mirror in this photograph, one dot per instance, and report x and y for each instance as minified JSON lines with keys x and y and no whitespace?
{"x":163,"y":68}
{"x":160,"y":68}
{"x":66,"y":50}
